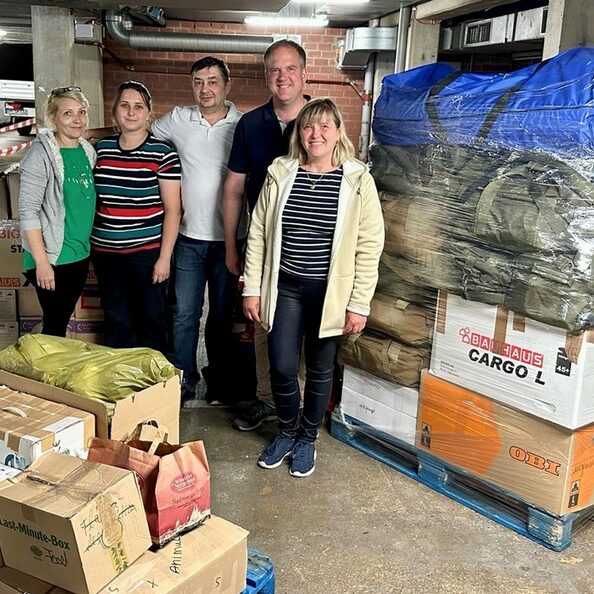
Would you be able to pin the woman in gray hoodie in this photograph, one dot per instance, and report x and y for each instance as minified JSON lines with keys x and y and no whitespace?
{"x":57,"y":207}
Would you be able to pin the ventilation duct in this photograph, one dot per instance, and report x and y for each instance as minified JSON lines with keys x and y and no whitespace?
{"x":183,"y":42}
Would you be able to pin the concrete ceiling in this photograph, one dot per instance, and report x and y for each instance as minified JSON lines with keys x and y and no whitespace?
{"x":15,"y":14}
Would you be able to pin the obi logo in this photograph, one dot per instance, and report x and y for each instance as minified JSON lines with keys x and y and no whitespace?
{"x":183,"y":482}
{"x":36,"y":551}
{"x":534,"y":460}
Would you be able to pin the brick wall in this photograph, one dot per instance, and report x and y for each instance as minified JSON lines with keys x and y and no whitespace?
{"x":169,"y":80}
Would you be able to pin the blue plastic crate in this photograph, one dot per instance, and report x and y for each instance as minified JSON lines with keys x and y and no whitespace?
{"x":260,"y":574}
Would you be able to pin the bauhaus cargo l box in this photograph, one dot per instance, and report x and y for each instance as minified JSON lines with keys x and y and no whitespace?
{"x":537,"y":368}
{"x":73,"y":523}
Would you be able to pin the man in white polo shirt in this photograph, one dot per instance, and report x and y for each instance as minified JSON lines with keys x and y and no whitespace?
{"x":203,"y":136}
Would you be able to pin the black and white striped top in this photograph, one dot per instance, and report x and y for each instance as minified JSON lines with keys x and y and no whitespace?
{"x":309,"y":219}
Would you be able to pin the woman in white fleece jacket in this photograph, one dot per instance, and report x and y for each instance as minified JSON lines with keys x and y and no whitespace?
{"x":57,"y":207}
{"x":311,"y":268}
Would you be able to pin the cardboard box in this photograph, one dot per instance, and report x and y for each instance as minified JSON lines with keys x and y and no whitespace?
{"x":160,"y":402}
{"x":531,"y":366}
{"x":31,"y":427}
{"x":17,"y":582}
{"x":28,"y":304}
{"x":13,"y":179}
{"x":542,"y":463}
{"x":6,"y":474}
{"x":73,"y":523}
{"x":34,"y":324}
{"x":211,"y":559}
{"x":4,"y":199}
{"x":91,"y":331}
{"x":88,"y":307}
{"x":8,"y":307}
{"x":91,"y":276}
{"x":9,"y":333}
{"x":380,"y":404}
{"x":11,"y":256}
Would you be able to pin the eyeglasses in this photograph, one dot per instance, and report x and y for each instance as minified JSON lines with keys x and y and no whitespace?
{"x":61,"y":90}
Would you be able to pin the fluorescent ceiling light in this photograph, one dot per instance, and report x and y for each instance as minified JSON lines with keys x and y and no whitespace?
{"x":279,"y":21}
{"x":334,"y":2}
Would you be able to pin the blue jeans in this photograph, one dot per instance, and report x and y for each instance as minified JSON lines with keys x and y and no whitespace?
{"x":198,"y":263}
{"x":135,"y":308}
{"x":297,"y":320}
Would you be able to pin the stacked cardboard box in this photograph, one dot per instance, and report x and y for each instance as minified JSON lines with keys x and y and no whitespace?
{"x":9,"y":330}
{"x":26,"y":315}
{"x":488,"y":195}
{"x":211,"y":559}
{"x":31,"y":426}
{"x":74,"y":526}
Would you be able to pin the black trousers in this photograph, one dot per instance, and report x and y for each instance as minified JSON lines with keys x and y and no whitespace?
{"x":135,"y":309}
{"x":58,"y":305}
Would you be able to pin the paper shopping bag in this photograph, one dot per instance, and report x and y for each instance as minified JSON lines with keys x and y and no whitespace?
{"x":174,"y":480}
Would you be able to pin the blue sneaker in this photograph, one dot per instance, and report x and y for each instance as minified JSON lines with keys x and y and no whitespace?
{"x":303,"y":459}
{"x":276,"y":452}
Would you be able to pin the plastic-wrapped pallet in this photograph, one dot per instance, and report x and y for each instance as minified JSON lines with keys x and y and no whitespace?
{"x":488,"y":184}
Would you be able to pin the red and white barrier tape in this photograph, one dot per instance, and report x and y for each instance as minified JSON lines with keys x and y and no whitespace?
{"x":23,"y":124}
{"x":15,"y":148}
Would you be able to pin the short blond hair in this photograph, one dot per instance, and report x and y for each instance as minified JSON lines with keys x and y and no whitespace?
{"x":53,"y":103}
{"x":313,"y":112}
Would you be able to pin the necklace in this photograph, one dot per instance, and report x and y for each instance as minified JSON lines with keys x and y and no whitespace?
{"x":314,"y":182}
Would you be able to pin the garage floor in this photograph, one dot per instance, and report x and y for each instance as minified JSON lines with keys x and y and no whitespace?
{"x":358,"y":527}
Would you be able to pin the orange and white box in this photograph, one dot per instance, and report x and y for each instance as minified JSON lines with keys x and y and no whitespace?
{"x":537,"y":368}
{"x":545,"y":465}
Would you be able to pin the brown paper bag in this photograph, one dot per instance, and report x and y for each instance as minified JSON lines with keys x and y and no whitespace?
{"x":174,"y":479}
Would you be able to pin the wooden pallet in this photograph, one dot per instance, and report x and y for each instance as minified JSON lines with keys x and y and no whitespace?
{"x":505,"y":508}
{"x":260,"y":574}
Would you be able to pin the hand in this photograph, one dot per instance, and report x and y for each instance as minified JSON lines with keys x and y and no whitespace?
{"x":251,"y":308}
{"x":161,"y":270}
{"x":46,"y":278}
{"x":354,"y":323}
{"x":233,"y":262}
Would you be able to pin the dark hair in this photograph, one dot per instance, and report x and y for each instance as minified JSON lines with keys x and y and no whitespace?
{"x":209,"y":62}
{"x":135,"y":86}
{"x":288,"y":43}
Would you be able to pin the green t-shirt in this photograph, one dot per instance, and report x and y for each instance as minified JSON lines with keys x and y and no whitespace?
{"x":79,"y":205}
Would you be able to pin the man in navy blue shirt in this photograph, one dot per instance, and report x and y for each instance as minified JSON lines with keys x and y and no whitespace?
{"x":262,"y":135}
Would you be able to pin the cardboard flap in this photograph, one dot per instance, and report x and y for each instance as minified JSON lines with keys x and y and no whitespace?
{"x":573,"y":346}
{"x":61,"y":484}
{"x":151,"y":403}
{"x":24,"y":384}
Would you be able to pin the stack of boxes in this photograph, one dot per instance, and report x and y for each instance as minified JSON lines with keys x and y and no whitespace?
{"x":495,"y":204}
{"x":71,"y":526}
{"x":87,"y":320}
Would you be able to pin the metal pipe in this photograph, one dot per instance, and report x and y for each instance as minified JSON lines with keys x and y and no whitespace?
{"x":403,"y":26}
{"x":184,"y":42}
{"x":367,"y":97}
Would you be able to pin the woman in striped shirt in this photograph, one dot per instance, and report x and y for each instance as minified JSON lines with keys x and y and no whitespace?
{"x":137,"y":178}
{"x":313,"y":251}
